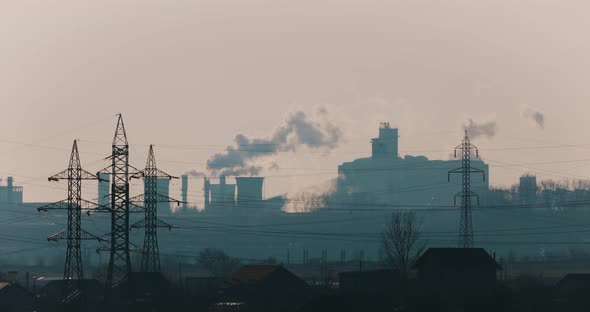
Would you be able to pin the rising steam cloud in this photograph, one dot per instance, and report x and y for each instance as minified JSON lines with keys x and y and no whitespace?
{"x":537,"y":117}
{"x":311,"y":198}
{"x":195,"y":173}
{"x":297,"y":130}
{"x":476,"y":130}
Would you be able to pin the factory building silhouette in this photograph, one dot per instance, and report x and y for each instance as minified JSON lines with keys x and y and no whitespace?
{"x":382,"y":178}
{"x":10,"y":193}
{"x":386,"y":178}
{"x":365,"y":188}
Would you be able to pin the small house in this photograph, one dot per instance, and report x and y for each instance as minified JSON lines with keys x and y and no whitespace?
{"x":453,"y":272}
{"x":15,"y":298}
{"x":263,"y":288}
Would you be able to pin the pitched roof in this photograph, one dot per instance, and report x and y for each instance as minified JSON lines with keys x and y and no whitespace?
{"x":4,"y":284}
{"x":251,"y":275}
{"x":254,"y":273}
{"x":10,"y":287}
{"x":457,"y":258}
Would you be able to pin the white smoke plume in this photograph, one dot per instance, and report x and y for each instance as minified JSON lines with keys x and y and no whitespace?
{"x":297,"y":130}
{"x":476,"y":130}
{"x":195,"y":173}
{"x":311,"y":198}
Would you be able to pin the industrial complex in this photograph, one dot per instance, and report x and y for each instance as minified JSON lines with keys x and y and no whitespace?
{"x":366,"y":191}
{"x":344,"y":224}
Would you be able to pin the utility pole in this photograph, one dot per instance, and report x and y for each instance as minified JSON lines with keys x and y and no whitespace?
{"x":73,"y":234}
{"x":150,"y":253}
{"x":324,"y":269}
{"x":466,"y":223}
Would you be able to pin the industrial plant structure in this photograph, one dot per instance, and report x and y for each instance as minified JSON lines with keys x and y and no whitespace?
{"x":349,"y":217}
{"x":221,"y":197}
{"x":11,"y":194}
{"x":387,"y":178}
{"x":527,"y":189}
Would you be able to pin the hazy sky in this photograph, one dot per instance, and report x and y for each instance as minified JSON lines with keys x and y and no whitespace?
{"x":189,"y":75}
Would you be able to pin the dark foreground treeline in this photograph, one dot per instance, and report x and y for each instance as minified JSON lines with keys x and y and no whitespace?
{"x":285,"y":292}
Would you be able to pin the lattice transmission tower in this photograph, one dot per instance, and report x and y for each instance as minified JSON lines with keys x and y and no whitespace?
{"x":73,"y":234}
{"x":466,"y":223}
{"x":150,"y":253}
{"x":119,"y":261}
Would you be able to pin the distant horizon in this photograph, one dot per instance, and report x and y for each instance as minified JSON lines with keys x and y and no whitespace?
{"x":177,"y":189}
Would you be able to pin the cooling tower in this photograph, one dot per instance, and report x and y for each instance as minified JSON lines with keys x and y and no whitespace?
{"x":184,"y":187}
{"x":249,"y":191}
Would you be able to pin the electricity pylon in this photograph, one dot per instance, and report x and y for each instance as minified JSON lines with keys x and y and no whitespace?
{"x":466,"y":223}
{"x":119,"y":261}
{"x":150,"y":253}
{"x":73,"y":234}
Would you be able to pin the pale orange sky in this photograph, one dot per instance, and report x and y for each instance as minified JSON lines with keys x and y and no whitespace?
{"x":189,"y":75}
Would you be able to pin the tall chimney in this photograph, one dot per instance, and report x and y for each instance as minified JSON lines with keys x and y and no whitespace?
{"x":9,"y":190}
{"x":184,"y":187}
{"x":206,"y":190}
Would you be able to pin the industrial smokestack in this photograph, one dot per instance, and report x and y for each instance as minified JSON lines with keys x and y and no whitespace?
{"x":184,"y":187}
{"x":249,"y":191}
{"x":206,"y":190}
{"x":9,"y":187}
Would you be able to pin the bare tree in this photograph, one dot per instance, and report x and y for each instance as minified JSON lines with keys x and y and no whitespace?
{"x":217,"y":261}
{"x":401,"y":241}
{"x":581,"y":189}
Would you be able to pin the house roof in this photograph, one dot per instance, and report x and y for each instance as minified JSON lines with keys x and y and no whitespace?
{"x":4,"y":285}
{"x":457,"y":258}
{"x":254,"y":273}
{"x":10,"y":287}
